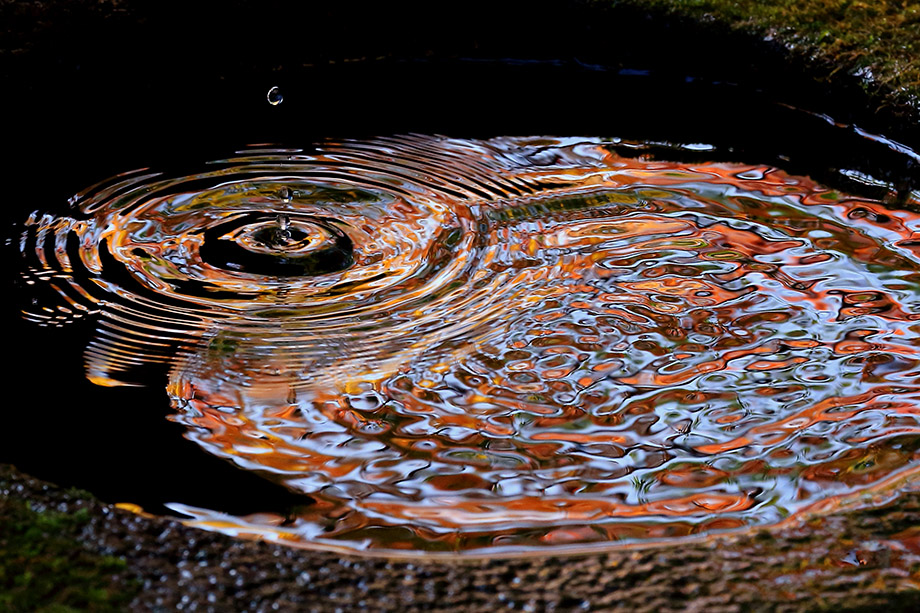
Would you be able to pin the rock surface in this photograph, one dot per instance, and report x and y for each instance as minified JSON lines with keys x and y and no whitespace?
{"x":855,"y":561}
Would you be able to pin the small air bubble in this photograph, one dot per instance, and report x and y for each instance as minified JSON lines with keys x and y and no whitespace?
{"x":275,"y":97}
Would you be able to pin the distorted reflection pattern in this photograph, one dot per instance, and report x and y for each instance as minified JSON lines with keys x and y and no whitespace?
{"x":450,"y":345}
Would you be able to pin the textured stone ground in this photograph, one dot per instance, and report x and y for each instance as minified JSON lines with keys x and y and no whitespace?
{"x":864,"y":560}
{"x":875,"y":42}
{"x":845,"y":562}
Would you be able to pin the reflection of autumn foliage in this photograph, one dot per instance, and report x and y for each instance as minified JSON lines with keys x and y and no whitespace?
{"x":549,"y":394}
{"x":595,"y":349}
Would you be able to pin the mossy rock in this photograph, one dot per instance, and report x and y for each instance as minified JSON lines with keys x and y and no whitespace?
{"x":43,"y":567}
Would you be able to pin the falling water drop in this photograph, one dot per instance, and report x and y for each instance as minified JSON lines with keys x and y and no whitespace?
{"x":283,"y":235}
{"x":275,"y":97}
{"x":285,"y":194}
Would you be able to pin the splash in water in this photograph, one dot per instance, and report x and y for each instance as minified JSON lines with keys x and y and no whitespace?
{"x":500,"y":345}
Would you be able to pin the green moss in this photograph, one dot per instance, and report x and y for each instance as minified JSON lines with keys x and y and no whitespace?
{"x":873,"y":38}
{"x":43,"y":567}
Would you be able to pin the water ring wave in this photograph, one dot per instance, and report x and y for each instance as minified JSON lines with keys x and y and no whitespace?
{"x":503,"y":345}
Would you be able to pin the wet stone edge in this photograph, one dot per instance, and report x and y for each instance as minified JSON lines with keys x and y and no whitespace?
{"x":851,"y":561}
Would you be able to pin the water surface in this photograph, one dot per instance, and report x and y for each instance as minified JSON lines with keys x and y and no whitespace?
{"x":499,"y":345}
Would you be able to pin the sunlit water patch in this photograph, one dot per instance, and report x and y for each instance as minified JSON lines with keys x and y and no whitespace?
{"x":457,"y":345}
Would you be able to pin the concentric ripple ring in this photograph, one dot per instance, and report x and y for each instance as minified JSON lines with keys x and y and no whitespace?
{"x":504,"y":345}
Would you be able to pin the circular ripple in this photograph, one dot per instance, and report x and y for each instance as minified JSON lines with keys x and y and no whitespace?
{"x":279,"y":245}
{"x":457,"y":345}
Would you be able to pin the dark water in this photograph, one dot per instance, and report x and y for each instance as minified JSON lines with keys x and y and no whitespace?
{"x":698,"y":316}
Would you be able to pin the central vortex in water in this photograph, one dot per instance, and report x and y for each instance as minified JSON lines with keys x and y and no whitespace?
{"x":456,"y":345}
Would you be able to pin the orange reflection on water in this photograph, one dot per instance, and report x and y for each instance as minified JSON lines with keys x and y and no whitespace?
{"x":450,"y":346}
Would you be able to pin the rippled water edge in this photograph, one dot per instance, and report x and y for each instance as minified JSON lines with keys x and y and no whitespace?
{"x":538,"y":337}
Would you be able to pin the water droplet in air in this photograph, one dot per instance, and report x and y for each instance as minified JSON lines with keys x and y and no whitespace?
{"x":275,"y":97}
{"x":283,"y":234}
{"x":285,"y":194}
